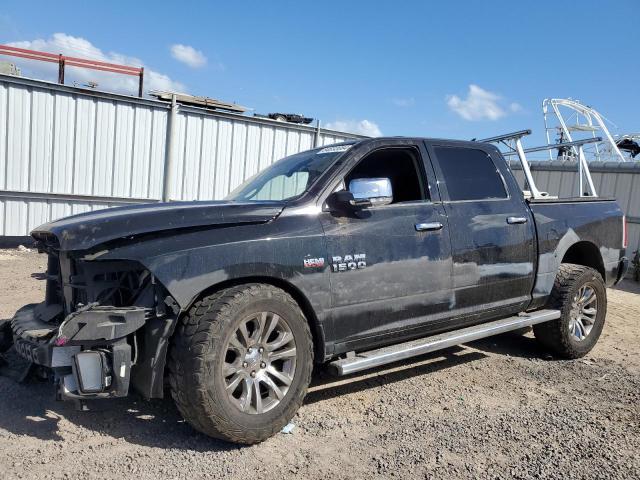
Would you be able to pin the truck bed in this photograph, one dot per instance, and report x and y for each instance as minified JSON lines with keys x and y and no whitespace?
{"x":571,"y":200}
{"x":592,"y":226}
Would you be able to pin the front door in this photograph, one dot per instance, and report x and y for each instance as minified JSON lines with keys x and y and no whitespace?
{"x":390,"y":265}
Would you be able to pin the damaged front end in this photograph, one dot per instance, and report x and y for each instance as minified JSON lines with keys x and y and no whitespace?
{"x":103,"y":327}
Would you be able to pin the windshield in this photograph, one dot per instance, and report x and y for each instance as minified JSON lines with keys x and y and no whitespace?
{"x":289,"y":177}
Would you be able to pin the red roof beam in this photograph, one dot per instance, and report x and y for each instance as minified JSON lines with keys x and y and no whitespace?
{"x":85,"y":62}
{"x":104,"y":69}
{"x":71,"y":61}
{"x":64,"y":61}
{"x":30,"y":57}
{"x":16,"y":50}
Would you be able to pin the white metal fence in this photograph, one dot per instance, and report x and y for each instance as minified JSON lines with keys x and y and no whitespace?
{"x":65,"y":150}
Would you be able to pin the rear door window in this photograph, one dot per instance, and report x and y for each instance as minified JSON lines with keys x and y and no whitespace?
{"x":469,"y":174}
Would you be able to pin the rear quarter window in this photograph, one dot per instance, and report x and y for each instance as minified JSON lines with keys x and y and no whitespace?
{"x":469,"y":174}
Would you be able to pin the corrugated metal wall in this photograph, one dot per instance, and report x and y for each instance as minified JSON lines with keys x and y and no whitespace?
{"x":619,"y":180}
{"x":65,"y":150}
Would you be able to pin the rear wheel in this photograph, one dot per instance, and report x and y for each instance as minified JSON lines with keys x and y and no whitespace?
{"x":241,"y":363}
{"x":581,"y":296}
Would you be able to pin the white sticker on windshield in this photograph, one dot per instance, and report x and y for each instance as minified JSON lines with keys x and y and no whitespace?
{"x":337,"y":148}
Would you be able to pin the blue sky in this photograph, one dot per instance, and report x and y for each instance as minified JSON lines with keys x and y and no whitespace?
{"x":446,"y":69}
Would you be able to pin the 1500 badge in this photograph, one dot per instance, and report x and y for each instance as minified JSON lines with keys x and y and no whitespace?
{"x":348,"y":262}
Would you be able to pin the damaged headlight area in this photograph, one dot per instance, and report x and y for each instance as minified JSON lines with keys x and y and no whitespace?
{"x":100,"y":321}
{"x":95,"y":348}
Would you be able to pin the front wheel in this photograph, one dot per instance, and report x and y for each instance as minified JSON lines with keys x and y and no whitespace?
{"x":241,"y":363}
{"x":6,"y":336}
{"x":581,"y":296}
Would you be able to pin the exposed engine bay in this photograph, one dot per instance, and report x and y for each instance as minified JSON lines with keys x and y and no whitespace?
{"x":88,"y":334}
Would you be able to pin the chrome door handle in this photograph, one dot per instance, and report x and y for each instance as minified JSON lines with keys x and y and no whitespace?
{"x":515,"y":220}
{"x":430,"y":226}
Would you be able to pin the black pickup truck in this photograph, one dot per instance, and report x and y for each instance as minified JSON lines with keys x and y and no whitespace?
{"x":353,"y":255}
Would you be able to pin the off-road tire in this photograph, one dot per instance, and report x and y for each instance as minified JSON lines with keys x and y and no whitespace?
{"x":555,"y":335}
{"x":6,"y":336}
{"x":196,"y":352}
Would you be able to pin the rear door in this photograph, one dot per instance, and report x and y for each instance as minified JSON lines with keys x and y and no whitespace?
{"x":492,"y":232}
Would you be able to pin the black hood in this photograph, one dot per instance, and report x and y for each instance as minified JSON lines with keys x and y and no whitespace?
{"x":87,"y":230}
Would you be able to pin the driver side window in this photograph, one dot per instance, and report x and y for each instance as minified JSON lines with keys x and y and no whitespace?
{"x":402,"y":166}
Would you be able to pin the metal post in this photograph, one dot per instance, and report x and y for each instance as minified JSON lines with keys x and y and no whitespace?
{"x":316,"y":138}
{"x":141,"y":81}
{"x":546,"y":125}
{"x":580,"y":173}
{"x":527,"y":171}
{"x":61,"y":69}
{"x":585,"y":168}
{"x":169,"y":155}
{"x":563,"y":124}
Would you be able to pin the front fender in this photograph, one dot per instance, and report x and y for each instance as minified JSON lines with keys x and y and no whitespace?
{"x":189,"y":263}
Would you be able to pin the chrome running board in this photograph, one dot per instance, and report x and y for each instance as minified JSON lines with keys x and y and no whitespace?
{"x":394,"y":353}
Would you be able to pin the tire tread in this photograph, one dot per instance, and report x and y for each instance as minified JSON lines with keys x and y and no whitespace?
{"x":207,"y":323}
{"x":551,"y":334}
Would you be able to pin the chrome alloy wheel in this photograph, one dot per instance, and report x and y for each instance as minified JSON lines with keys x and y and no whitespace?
{"x":584,"y":309}
{"x":259,"y":363}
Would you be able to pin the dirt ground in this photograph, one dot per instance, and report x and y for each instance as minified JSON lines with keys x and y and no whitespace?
{"x":497,"y":408}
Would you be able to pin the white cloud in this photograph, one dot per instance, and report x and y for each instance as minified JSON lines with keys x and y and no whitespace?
{"x":188,"y":55}
{"x":359,"y":127}
{"x":80,"y":47}
{"x":481,"y":104}
{"x":515,"y":107}
{"x":404,"y":102}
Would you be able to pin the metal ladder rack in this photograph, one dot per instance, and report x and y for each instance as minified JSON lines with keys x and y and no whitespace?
{"x":513,"y":142}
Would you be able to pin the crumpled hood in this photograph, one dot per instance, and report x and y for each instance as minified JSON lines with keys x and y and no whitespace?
{"x":87,"y":230}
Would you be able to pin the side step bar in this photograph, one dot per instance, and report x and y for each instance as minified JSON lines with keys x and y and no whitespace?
{"x":394,"y":353}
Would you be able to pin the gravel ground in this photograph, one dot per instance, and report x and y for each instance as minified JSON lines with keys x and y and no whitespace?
{"x":497,"y":408}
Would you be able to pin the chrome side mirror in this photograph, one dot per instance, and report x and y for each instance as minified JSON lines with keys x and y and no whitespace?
{"x":378,"y":191}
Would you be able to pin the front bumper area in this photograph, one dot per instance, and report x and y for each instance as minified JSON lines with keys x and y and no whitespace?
{"x":32,"y":337}
{"x":101,"y":331}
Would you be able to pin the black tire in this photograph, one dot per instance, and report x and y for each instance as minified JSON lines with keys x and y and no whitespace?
{"x":6,"y":336}
{"x":198,"y":352}
{"x":555,"y":335}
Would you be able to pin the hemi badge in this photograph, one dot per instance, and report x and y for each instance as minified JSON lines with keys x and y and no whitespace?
{"x":313,"y":262}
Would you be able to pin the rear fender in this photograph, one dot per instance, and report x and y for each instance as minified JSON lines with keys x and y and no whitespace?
{"x":570,"y":249}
